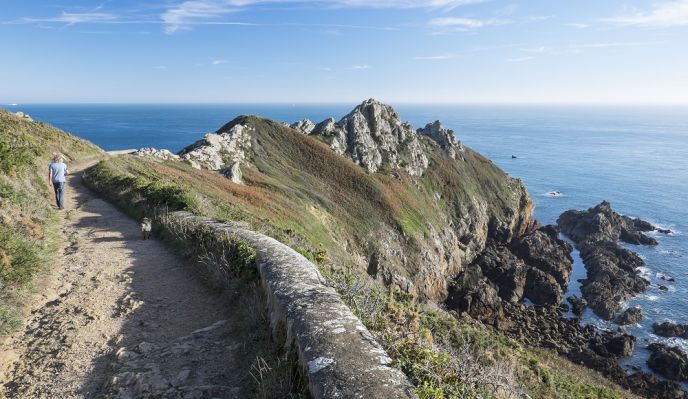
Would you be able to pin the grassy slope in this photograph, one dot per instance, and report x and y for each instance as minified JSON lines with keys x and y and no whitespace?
{"x":323,"y":205}
{"x":27,"y":221}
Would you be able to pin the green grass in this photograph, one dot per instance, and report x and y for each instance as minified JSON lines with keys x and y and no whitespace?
{"x":28,"y":224}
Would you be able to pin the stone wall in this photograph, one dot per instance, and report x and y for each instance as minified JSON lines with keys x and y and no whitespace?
{"x":338,"y":354}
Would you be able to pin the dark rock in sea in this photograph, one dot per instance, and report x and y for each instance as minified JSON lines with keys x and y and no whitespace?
{"x":663,"y":288}
{"x":601,"y":223}
{"x":668,"y":329}
{"x":514,"y":157}
{"x":663,"y":231}
{"x":668,"y":361}
{"x":613,"y":345}
{"x":611,"y":268}
{"x":632,"y":315}
{"x":577,"y":305}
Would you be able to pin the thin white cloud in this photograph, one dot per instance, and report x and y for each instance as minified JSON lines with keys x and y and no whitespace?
{"x":160,"y":67}
{"x":219,"y":62}
{"x":520,"y":59}
{"x":662,"y":15}
{"x":192,"y":12}
{"x":435,"y":57}
{"x":360,"y":67}
{"x":578,"y":26}
{"x":454,"y":22}
{"x":72,"y":18}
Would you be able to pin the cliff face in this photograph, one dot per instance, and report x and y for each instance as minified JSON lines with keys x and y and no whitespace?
{"x":411,"y":207}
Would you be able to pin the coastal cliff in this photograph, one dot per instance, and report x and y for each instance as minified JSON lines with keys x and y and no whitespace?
{"x":410,"y":206}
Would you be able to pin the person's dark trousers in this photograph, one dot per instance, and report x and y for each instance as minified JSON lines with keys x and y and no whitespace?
{"x":59,"y":194}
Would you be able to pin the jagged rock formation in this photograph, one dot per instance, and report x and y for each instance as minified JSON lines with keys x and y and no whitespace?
{"x":163,"y":154}
{"x":442,"y":136}
{"x":304,"y":126}
{"x":668,"y":361}
{"x":535,"y":266}
{"x":612,"y":269}
{"x":223,"y":151}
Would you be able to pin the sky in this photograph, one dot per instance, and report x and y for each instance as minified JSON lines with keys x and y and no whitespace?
{"x":416,"y":51}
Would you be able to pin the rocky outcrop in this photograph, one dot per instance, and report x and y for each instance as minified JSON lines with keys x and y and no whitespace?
{"x":305,"y":126}
{"x":632,"y":315}
{"x":609,"y":344}
{"x":535,"y":266}
{"x":670,"y":362}
{"x":669,"y":329}
{"x":444,"y":137}
{"x":612,"y":274}
{"x":578,"y":305}
{"x":223,"y":151}
{"x":22,"y":115}
{"x":150,"y":152}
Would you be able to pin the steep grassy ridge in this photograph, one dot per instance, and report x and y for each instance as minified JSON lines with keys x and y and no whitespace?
{"x":27,"y":220}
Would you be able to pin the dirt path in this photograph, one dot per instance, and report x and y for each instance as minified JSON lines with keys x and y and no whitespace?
{"x":123,"y":317}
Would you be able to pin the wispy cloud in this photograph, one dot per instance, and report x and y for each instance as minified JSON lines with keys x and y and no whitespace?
{"x":454,"y":22}
{"x":435,"y":57}
{"x":360,"y":67}
{"x":662,"y":15}
{"x":219,"y":62}
{"x":520,"y":59}
{"x":160,"y":67}
{"x":578,"y":25}
{"x":72,"y":18}
{"x":579,"y":48}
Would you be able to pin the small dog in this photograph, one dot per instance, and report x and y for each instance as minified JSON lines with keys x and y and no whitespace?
{"x":146,"y":228}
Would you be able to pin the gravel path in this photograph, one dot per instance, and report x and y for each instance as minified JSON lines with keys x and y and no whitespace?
{"x":122,"y":317}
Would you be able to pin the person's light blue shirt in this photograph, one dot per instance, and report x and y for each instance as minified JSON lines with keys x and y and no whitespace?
{"x":59,"y":170}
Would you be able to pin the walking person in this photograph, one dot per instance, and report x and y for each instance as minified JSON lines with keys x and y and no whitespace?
{"x":57,"y":173}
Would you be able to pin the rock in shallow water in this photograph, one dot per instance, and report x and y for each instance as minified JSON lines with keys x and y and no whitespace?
{"x":670,"y":362}
{"x":668,"y":329}
{"x":632,"y":315}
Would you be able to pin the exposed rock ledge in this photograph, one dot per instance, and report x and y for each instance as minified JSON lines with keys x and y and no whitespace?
{"x":612,"y":270}
{"x":337,"y":352}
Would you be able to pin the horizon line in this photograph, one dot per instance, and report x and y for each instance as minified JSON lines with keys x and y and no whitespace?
{"x":3,"y":104}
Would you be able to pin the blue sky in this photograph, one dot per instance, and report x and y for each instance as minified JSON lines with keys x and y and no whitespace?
{"x":467,"y":51}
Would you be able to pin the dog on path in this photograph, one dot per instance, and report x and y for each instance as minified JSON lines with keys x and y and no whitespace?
{"x":146,"y":228}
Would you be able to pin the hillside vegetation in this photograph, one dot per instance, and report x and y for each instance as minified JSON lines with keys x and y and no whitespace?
{"x":28,"y":236}
{"x":300,"y":191}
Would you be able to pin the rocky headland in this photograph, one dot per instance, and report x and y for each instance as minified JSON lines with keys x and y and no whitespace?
{"x":423,"y":214}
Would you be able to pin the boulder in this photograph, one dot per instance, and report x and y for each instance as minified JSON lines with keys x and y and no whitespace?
{"x":613,"y":345}
{"x":578,"y":305}
{"x":544,"y":250}
{"x":505,"y":270}
{"x":475,"y":295}
{"x":632,"y":315}
{"x":670,"y":362}
{"x":542,"y":288}
{"x":669,"y":329}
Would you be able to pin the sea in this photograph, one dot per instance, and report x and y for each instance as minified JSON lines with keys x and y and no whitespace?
{"x":570,"y":157}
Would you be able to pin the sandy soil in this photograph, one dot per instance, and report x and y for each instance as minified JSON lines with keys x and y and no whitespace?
{"x":121,"y":317}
